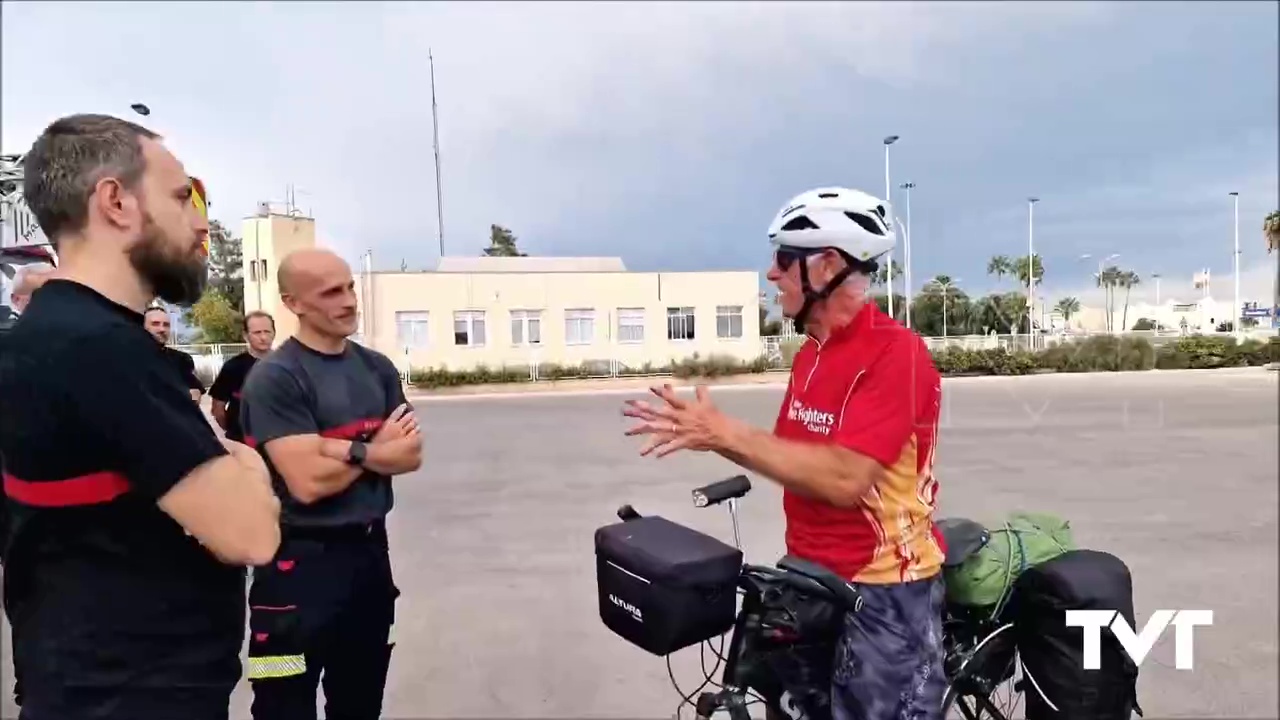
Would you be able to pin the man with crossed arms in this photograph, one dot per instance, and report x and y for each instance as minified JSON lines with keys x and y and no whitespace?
{"x":331,"y":420}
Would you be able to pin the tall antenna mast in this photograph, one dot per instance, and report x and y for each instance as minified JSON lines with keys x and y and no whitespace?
{"x":435,"y":139}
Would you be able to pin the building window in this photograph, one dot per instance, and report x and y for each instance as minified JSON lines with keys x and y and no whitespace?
{"x":526,"y":327}
{"x":630,"y":325}
{"x":468,"y":328}
{"x":728,"y":321}
{"x":679,"y":323}
{"x":411,"y":330}
{"x":579,"y":327}
{"x":264,"y":269}
{"x":253,"y":271}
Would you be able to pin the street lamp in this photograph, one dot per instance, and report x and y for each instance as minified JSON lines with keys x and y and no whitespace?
{"x":1235,"y":259}
{"x":946,"y":291}
{"x":1031,"y":266}
{"x":906,"y":251}
{"x":143,"y":110}
{"x":1101,"y":263}
{"x":888,"y":199}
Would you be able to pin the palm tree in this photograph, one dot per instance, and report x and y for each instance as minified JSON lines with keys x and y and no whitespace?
{"x":1127,"y":280}
{"x":1067,"y":306}
{"x":881,"y":276}
{"x":1108,"y":279}
{"x":1021,"y":266}
{"x":943,"y":287}
{"x":1000,"y":265}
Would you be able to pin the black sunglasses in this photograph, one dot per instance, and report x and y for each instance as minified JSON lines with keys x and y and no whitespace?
{"x":785,"y":257}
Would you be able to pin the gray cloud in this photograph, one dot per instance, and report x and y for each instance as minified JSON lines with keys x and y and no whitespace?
{"x":669,"y":133}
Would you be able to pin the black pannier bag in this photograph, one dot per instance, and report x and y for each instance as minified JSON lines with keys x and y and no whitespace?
{"x":663,"y":586}
{"x":1055,"y":683}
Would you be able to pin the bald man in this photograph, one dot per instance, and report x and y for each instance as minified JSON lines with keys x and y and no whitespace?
{"x":331,"y":420}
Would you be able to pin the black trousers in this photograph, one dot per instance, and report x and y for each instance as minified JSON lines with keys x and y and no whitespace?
{"x":321,"y":615}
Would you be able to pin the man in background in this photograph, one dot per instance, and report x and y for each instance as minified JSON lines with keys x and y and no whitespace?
{"x":259,"y":333}
{"x":156,"y":321}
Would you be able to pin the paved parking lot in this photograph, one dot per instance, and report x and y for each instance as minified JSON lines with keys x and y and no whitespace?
{"x":1176,"y":472}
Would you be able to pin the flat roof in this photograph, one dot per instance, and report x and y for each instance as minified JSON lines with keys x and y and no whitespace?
{"x":543,"y":264}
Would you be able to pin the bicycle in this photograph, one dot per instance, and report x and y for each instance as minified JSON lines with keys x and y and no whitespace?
{"x":783,"y":639}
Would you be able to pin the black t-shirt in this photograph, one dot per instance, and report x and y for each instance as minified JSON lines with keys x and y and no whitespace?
{"x":186,"y":366}
{"x":116,"y":611}
{"x":298,"y":391}
{"x":227,"y":387}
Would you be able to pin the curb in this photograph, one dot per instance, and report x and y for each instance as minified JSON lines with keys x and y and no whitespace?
{"x":774,"y":380}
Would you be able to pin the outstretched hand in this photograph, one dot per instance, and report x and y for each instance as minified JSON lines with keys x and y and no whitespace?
{"x":676,"y":423}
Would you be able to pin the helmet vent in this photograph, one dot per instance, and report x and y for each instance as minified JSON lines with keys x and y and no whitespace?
{"x":828,"y":196}
{"x":800,"y":222}
{"x":865,"y":223}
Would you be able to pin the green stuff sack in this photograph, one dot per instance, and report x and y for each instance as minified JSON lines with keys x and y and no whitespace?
{"x":1021,"y":541}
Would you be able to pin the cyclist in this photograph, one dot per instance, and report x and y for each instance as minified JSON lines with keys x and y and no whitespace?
{"x":852,"y":447}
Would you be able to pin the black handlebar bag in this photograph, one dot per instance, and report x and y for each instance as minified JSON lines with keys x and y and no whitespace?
{"x":663,"y":586}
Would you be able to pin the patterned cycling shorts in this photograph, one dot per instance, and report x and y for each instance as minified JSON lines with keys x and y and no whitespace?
{"x":888,"y":663}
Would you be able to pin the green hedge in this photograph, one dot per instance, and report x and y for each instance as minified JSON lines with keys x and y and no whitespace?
{"x":1101,"y":353}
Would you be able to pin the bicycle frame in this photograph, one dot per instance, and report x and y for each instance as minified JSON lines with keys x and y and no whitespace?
{"x":754,"y":581}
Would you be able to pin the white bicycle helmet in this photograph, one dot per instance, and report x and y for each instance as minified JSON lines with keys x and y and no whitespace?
{"x":848,"y":220}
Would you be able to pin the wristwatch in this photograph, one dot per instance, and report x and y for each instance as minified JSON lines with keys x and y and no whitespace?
{"x":356,"y":455}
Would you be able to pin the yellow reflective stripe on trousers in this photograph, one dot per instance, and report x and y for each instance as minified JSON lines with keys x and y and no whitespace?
{"x":276,"y":666}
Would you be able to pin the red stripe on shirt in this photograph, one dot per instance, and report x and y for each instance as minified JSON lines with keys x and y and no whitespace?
{"x":91,"y":489}
{"x":354,"y":430}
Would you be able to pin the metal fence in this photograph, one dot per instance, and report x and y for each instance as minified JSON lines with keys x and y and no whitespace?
{"x":776,"y":353}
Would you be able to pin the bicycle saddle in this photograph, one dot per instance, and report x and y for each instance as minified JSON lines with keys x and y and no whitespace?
{"x":844,"y":593}
{"x":963,"y":538}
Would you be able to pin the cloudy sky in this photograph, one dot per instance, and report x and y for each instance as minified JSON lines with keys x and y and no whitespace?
{"x":670,"y":133}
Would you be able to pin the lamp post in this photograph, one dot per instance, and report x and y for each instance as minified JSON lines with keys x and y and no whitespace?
{"x":1031,"y":268}
{"x":906,"y":251}
{"x":1235,"y":261}
{"x":144,"y":111}
{"x":888,"y":199}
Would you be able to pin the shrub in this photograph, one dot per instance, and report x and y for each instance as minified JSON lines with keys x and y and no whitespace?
{"x":1255,"y":352}
{"x":1099,"y":353}
{"x":789,"y":350}
{"x":955,"y":360}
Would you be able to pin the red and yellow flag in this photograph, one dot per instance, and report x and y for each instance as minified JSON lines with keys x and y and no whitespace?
{"x":200,"y":198}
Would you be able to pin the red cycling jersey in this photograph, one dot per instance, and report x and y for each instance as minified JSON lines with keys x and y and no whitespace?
{"x":870,"y":387}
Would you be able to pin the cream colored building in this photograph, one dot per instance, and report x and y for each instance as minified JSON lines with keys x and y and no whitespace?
{"x":518,"y":312}
{"x":1200,"y":315}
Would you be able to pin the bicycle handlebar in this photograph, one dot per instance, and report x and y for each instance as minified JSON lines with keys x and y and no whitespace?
{"x":717,"y":492}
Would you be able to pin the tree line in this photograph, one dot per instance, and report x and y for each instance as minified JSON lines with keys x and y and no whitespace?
{"x":216,"y":317}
